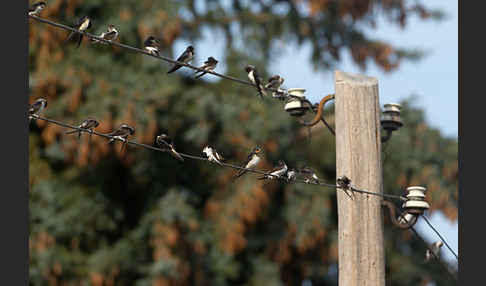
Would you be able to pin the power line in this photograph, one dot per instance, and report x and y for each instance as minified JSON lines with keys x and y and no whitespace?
{"x":327,"y":185}
{"x":66,"y":125}
{"x":442,"y":263}
{"x":433,"y":253}
{"x":141,"y":51}
{"x":440,"y":236}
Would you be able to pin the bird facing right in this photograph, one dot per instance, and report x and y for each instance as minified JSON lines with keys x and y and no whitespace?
{"x":83,"y":24}
{"x":251,"y":161}
{"x":151,"y":45}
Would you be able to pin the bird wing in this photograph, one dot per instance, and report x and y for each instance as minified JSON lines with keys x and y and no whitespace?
{"x":200,"y":75}
{"x":204,"y":66}
{"x":184,"y":57}
{"x":256,"y":77}
{"x":163,"y":144}
{"x":70,"y":36}
{"x":79,"y":40}
{"x":258,"y":82}
{"x":176,"y":155}
{"x":90,"y":124}
{"x":175,"y":67}
{"x":275,"y":77}
{"x":242,"y":171}
{"x":116,"y":132}
{"x":269,"y":173}
{"x":219,"y":157}
{"x":109,"y":35}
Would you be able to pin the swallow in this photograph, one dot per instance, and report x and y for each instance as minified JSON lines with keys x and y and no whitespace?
{"x":151,"y":45}
{"x":274,"y":82}
{"x":212,"y":154}
{"x":208,"y":65}
{"x":110,"y":35}
{"x":36,"y":107}
{"x":291,"y":175}
{"x":167,"y":144}
{"x":121,"y":133}
{"x":82,"y":25}
{"x":87,"y":124}
{"x":186,"y":57}
{"x":276,"y":172}
{"x":36,"y":8}
{"x":309,"y":175}
{"x":435,"y":247}
{"x":255,"y":78}
{"x":251,"y":161}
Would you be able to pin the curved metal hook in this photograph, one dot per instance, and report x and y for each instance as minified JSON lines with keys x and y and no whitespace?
{"x":391,"y":208}
{"x":387,"y":136}
{"x":320,"y":114}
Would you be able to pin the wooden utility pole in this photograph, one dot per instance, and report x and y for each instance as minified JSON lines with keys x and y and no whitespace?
{"x":358,"y":157}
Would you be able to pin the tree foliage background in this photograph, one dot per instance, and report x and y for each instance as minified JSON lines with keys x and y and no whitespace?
{"x":101,"y":217}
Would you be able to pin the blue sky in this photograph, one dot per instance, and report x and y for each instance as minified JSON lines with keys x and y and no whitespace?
{"x":434,"y":79}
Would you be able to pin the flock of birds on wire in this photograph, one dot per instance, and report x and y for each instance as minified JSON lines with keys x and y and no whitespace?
{"x":151,"y":45}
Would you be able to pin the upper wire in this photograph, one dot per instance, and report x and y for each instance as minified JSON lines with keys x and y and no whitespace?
{"x":141,"y":51}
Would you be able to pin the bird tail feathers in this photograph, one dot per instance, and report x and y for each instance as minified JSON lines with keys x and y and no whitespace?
{"x":200,"y":75}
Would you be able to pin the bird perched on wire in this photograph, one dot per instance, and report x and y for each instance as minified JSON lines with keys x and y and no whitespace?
{"x":212,"y":154}
{"x":251,"y":161}
{"x":276,"y":172}
{"x":167,"y":145}
{"x":83,"y":24}
{"x":275,"y":82}
{"x":291,"y":175}
{"x":36,"y":107}
{"x":151,"y":45}
{"x":255,"y":78}
{"x":435,"y":247}
{"x":36,"y":8}
{"x":88,"y":124}
{"x":186,"y":57}
{"x":309,"y":175}
{"x":110,"y":35}
{"x":208,"y":65}
{"x":122,"y":134}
